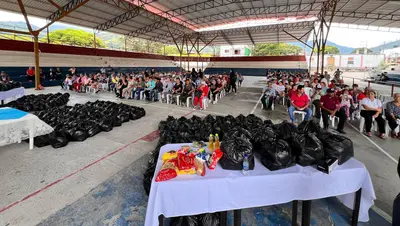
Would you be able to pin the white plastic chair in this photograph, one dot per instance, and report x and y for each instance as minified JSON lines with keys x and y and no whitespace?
{"x":332,"y":119}
{"x":178,"y":101}
{"x":141,"y":95}
{"x":188,"y":100}
{"x":169,"y":98}
{"x":362,"y":125}
{"x":301,"y":113}
{"x":205,"y":103}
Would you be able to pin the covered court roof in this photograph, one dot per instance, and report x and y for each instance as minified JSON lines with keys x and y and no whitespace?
{"x":161,"y":20}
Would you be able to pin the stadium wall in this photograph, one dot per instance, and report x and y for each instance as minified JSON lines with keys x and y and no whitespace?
{"x":17,"y":56}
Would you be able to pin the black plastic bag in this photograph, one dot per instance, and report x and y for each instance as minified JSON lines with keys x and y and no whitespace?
{"x":340,"y":147}
{"x":41,"y":141}
{"x":309,"y":127}
{"x":286,"y":131}
{"x":106,"y":125}
{"x":79,"y":135}
{"x":234,"y":149}
{"x":309,"y":149}
{"x":276,"y":155}
{"x":185,"y":221}
{"x":148,"y":177}
{"x":58,"y":139}
{"x":209,"y":219}
{"x":93,"y":130}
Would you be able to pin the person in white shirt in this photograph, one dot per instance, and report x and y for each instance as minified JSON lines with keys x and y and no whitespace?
{"x":372,"y":108}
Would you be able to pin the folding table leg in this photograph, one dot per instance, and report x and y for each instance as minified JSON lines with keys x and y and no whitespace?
{"x":295,"y":205}
{"x":306,"y":213}
{"x":222,"y":218}
{"x":356,"y":210}
{"x":161,"y":220}
{"x":237,"y":217}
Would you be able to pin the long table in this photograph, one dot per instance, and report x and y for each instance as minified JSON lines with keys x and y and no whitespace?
{"x":11,"y":95}
{"x":222,"y":190}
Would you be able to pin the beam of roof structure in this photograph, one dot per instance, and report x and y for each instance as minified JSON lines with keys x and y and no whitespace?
{"x":258,"y":11}
{"x":120,"y":4}
{"x":373,"y":16}
{"x":154,"y":26}
{"x":130,"y":14}
{"x":21,"y":6}
{"x":69,"y":7}
{"x":251,"y":38}
{"x":225,"y":37}
{"x":56,"y":5}
{"x":185,"y":10}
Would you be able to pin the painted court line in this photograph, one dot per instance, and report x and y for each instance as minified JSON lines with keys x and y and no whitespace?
{"x":375,"y":144}
{"x":81,"y":169}
{"x":255,"y":107}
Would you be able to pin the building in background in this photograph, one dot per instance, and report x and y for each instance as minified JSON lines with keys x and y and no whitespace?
{"x":348,"y":62}
{"x":236,"y":50}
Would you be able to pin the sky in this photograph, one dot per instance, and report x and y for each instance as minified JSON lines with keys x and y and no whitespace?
{"x":339,"y":33}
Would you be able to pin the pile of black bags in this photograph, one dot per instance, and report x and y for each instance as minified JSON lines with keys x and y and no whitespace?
{"x":208,"y":219}
{"x":278,"y":145}
{"x":9,"y":86}
{"x":39,"y":102}
{"x":79,"y":122}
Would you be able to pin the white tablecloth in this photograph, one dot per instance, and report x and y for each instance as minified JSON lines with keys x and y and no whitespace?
{"x":222,"y":190}
{"x":15,"y":130}
{"x":12,"y":94}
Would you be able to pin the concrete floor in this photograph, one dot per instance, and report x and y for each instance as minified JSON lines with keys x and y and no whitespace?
{"x":97,"y":181}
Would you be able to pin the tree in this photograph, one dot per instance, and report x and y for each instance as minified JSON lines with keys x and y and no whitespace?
{"x":361,"y":50}
{"x":74,"y":37}
{"x":329,"y":50}
{"x":276,"y":49}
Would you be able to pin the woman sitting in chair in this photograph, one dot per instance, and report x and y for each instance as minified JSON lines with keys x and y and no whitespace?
{"x":200,"y":93}
{"x":392,"y":114}
{"x":371,"y":108}
{"x":214,"y":90}
{"x":188,"y":89}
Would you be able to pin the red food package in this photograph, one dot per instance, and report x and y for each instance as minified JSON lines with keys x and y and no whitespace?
{"x":167,"y":171}
{"x":214,"y":158}
{"x":185,"y":161}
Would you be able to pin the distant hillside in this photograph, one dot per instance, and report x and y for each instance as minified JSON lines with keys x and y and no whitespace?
{"x":386,"y":46}
{"x":342,"y":49}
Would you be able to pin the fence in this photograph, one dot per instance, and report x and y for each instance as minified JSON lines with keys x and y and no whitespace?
{"x":382,"y":88}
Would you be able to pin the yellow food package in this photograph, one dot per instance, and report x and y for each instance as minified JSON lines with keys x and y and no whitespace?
{"x":188,"y":171}
{"x":169,"y":155}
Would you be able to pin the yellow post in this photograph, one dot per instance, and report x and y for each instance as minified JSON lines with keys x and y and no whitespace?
{"x":37,"y":67}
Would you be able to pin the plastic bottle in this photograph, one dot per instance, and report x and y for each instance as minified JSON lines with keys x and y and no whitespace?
{"x":245,"y":167}
{"x":211,"y":143}
{"x":217,"y":144}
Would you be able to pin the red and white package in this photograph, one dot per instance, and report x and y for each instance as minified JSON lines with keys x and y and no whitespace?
{"x":185,"y":161}
{"x":167,"y":171}
{"x":214,"y":158}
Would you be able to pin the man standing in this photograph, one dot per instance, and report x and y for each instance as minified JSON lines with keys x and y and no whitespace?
{"x":299,"y":102}
{"x":330,"y":107}
{"x":232,"y":81}
{"x":269,"y":94}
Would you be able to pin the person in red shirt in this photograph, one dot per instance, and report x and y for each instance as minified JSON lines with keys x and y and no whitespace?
{"x":30,"y":73}
{"x":363,"y":95}
{"x":330,"y":107}
{"x":332,"y":85}
{"x":299,"y":102}
{"x":199,"y":94}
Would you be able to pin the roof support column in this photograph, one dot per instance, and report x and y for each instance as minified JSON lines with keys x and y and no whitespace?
{"x":37,"y":66}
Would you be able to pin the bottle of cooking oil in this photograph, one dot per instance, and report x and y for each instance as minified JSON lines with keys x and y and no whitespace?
{"x":217,"y":144}
{"x":211,"y":143}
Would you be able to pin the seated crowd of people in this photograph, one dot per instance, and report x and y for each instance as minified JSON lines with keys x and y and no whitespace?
{"x":153,"y":85}
{"x":312,"y":96}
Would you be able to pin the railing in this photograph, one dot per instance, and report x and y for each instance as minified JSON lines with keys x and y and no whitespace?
{"x":379,"y":86}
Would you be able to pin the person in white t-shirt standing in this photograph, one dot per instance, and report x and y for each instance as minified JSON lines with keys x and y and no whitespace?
{"x":371,"y":108}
